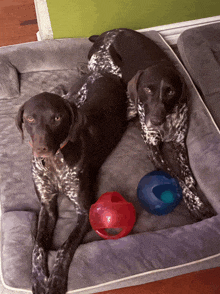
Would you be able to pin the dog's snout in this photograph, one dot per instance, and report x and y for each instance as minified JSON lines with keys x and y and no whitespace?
{"x":42,"y":149}
{"x":158,"y":115}
{"x":156,"y":121}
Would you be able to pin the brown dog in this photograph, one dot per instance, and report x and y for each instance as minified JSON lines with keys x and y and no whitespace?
{"x":158,"y":95}
{"x":69,"y":146}
{"x":159,"y":89}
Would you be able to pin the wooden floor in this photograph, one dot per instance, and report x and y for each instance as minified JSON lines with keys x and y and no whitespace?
{"x":202,"y":282}
{"x":18,"y":25}
{"x":18,"y":22}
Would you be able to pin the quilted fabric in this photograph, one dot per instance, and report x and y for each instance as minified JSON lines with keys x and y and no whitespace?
{"x":200,"y":52}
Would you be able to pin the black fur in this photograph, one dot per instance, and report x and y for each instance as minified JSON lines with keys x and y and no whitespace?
{"x":129,"y":50}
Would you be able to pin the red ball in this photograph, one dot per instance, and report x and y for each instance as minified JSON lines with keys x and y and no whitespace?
{"x":112,"y":211}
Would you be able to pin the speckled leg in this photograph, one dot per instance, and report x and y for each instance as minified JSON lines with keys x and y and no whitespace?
{"x":186,"y":180}
{"x":197,"y":208}
{"x":39,"y":270}
{"x":154,"y":138}
{"x":52,"y":176}
{"x":47,"y":195}
{"x":46,"y":224}
{"x":57,"y":282}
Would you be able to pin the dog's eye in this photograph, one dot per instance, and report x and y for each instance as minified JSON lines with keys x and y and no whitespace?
{"x":171,"y":92}
{"x":148,"y":90}
{"x":57,"y":118}
{"x":30,"y":119}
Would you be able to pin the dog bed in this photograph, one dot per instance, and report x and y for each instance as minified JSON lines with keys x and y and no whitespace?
{"x":158,"y":247}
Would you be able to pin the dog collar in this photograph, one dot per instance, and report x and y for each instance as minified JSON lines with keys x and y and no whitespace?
{"x":62,"y":145}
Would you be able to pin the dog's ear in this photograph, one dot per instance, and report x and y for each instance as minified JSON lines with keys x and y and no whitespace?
{"x":19,"y":120}
{"x":79,"y":123}
{"x":184,"y":94}
{"x":182,"y":83}
{"x":132,"y":88}
{"x":93,"y":38}
{"x":78,"y":120}
{"x":97,"y":42}
{"x":116,"y":57}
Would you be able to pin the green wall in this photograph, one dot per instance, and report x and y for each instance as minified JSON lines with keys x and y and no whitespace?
{"x":82,"y":18}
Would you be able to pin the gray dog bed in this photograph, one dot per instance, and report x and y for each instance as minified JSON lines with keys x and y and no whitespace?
{"x":158,"y":247}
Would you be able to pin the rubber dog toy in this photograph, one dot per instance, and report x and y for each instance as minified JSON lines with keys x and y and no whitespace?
{"x":112,"y":211}
{"x":159,"y":193}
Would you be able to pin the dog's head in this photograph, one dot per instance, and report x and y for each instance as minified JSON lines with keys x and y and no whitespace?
{"x":50,"y":121}
{"x":158,"y":89}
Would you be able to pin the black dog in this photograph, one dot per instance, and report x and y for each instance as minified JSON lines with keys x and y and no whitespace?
{"x":160,"y":99}
{"x":123,"y":52}
{"x":69,"y":146}
{"x":157,"y":93}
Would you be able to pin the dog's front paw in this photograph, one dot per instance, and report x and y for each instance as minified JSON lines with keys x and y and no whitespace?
{"x":39,"y":271}
{"x":57,"y":284}
{"x":38,"y":287}
{"x":39,"y":281}
{"x":203,"y":212}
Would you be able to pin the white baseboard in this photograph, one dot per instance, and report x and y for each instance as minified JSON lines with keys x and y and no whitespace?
{"x":43,"y":20}
{"x":38,"y":36}
{"x":171,"y":32}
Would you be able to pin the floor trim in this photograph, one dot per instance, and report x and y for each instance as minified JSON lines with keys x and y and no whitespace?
{"x":43,"y":20}
{"x":172,"y":32}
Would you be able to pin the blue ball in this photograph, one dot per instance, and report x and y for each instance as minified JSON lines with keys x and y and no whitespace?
{"x":159,"y":193}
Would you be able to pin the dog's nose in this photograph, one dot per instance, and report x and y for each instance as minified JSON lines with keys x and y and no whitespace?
{"x":42,"y":149}
{"x":157,"y":121}
{"x":39,"y":145}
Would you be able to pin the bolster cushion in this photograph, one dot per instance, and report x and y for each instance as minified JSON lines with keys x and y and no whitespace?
{"x":49,"y":55}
